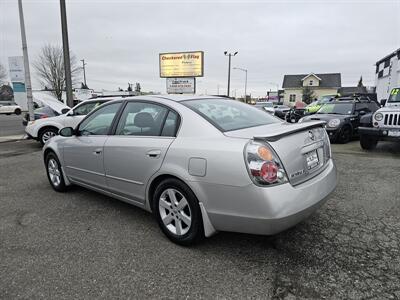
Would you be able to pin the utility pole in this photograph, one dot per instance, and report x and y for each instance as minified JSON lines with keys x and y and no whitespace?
{"x":229,"y":69}
{"x":84,"y":71}
{"x":67,"y":62}
{"x":28,"y":85}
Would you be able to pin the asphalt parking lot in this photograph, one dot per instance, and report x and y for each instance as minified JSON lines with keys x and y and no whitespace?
{"x":85,"y":245}
{"x":11,"y":125}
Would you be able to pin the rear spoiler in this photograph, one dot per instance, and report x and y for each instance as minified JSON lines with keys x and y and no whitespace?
{"x":294,"y":129}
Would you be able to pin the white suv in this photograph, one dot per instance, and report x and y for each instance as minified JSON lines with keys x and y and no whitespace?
{"x":383,"y":125}
{"x":9,"y":107}
{"x":44,"y":129}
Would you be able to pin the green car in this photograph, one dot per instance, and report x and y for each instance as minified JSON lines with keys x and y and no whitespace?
{"x":313,"y":107}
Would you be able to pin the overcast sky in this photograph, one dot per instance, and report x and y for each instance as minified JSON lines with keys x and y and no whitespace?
{"x":121,"y":40}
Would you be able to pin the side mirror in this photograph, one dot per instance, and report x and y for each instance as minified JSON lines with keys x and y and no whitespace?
{"x":67,"y":132}
{"x":65,"y":110}
{"x":383,"y":102}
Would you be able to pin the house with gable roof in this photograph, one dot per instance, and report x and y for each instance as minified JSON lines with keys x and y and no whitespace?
{"x":322,"y":84}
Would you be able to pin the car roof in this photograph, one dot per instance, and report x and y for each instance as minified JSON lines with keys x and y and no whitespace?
{"x":176,"y":98}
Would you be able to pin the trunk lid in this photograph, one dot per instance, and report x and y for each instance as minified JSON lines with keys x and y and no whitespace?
{"x":303,"y":148}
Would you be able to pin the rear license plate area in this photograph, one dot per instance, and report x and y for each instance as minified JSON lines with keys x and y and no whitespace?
{"x":312,"y":159}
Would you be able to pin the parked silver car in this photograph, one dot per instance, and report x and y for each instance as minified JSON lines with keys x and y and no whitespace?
{"x":200,"y":164}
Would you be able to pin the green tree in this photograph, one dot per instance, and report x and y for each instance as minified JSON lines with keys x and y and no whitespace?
{"x":308,"y":95}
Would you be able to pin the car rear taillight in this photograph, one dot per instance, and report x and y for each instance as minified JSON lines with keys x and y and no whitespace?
{"x":44,"y":116}
{"x":265,"y":167}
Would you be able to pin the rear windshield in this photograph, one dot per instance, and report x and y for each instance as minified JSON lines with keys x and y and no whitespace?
{"x":229,"y":115}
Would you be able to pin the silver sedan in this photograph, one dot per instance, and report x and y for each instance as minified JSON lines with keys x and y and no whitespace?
{"x":200,"y":164}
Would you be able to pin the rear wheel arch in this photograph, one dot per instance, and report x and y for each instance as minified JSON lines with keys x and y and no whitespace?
{"x":156,"y":181}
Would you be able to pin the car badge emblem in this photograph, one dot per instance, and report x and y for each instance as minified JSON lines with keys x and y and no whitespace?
{"x":311,"y":135}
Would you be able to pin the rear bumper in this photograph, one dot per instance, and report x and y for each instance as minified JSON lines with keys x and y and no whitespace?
{"x":269,"y":210}
{"x":379,"y":133}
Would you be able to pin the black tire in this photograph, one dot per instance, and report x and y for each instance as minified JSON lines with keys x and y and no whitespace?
{"x":43,"y":134}
{"x":368,"y":143}
{"x":17,"y":111}
{"x":345,"y":135}
{"x":195,"y":232}
{"x":60,"y":187}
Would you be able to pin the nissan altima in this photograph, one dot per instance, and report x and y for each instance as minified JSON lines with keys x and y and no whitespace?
{"x":199,"y":164}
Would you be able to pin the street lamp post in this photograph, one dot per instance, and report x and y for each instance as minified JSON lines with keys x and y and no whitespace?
{"x":245,"y":83}
{"x":229,"y":69}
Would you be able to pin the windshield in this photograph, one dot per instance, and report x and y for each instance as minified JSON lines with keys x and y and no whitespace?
{"x":394,"y":95}
{"x":336,"y":108}
{"x":229,"y":115}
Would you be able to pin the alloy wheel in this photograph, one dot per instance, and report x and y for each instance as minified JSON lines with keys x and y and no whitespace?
{"x":175,"y":212}
{"x":48,"y":135}
{"x":54,"y":172}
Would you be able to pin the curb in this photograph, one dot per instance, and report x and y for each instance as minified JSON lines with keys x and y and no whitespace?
{"x":12,"y":138}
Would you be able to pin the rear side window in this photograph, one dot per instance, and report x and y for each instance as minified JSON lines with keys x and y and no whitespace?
{"x":142,"y":119}
{"x":228,"y":115}
{"x":171,"y":124}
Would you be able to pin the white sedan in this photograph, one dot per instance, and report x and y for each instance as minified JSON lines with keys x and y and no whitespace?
{"x":9,"y":107}
{"x":44,"y":129}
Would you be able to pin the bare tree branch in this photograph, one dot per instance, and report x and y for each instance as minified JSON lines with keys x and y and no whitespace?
{"x":49,"y":67}
{"x":3,"y":74}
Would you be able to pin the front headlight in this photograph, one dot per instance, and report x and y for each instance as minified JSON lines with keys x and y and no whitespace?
{"x":31,"y":122}
{"x":334,"y":123}
{"x":378,"y":116}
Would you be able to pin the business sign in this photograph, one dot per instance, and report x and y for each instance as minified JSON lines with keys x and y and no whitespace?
{"x":16,"y":66}
{"x":182,"y":64}
{"x":181,"y":85}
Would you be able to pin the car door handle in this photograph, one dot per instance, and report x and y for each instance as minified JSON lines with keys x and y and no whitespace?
{"x":154,"y":153}
{"x":97,"y":151}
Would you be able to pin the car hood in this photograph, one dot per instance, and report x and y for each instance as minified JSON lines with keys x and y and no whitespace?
{"x":390,"y":107}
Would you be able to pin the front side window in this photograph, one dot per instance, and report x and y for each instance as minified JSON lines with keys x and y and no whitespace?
{"x":362,"y":107}
{"x":142,"y":119}
{"x":99,"y":123}
{"x":229,"y":115}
